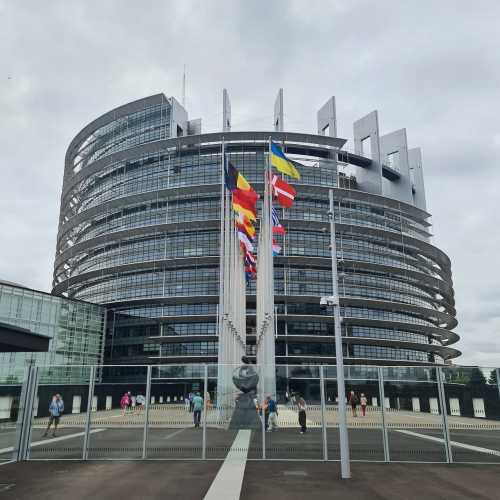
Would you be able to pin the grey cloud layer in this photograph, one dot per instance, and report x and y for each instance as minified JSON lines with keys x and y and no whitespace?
{"x":431,"y":67}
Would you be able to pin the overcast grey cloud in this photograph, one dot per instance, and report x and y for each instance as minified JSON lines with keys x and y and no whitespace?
{"x":432,"y":67}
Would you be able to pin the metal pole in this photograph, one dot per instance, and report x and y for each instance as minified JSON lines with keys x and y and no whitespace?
{"x":29,"y":414}
{"x":222,"y":348}
{"x":444,"y":415}
{"x":381,"y":392}
{"x":146,"y":413}
{"x":204,"y":442}
{"x":24,"y":402}
{"x":90,"y":397}
{"x":345,"y":466}
{"x":263,"y":419}
{"x":498,"y":381}
{"x":323,"y":412}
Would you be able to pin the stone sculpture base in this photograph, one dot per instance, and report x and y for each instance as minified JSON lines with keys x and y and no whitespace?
{"x":245,"y":415}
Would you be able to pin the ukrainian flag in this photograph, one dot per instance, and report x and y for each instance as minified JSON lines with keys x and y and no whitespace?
{"x":282,"y":163}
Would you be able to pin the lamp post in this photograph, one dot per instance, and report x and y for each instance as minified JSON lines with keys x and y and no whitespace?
{"x":345,"y":466}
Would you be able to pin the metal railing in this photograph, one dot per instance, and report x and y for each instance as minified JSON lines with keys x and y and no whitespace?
{"x":411,"y":414}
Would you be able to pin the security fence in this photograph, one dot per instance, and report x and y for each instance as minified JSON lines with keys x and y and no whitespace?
{"x":412,"y":414}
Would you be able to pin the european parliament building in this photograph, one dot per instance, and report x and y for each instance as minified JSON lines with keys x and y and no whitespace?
{"x":139,"y":233}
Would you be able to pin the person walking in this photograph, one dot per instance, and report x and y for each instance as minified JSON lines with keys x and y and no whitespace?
{"x":263,"y":411}
{"x":197,"y":408}
{"x":56,"y":408}
{"x":302,"y":407}
{"x":187,"y":403}
{"x":140,"y":402}
{"x":124,"y":402}
{"x":363,"y":401}
{"x":353,"y":401}
{"x":191,"y":396}
{"x":273,"y":414}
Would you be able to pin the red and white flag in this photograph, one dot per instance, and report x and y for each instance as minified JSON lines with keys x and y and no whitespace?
{"x":283,"y":192}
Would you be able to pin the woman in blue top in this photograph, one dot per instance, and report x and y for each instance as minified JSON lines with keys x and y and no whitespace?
{"x":56,"y":407}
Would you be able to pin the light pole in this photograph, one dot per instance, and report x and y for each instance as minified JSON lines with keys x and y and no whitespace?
{"x":345,"y":466}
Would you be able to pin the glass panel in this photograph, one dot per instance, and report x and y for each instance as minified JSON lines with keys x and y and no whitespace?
{"x":117,"y":419}
{"x":172,"y":430}
{"x":364,"y":415}
{"x":10,"y":410}
{"x":413,"y":415}
{"x":59,"y":413}
{"x":473,"y":406}
{"x":285,"y":438}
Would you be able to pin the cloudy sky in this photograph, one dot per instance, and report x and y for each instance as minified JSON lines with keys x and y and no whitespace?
{"x":432,"y":67}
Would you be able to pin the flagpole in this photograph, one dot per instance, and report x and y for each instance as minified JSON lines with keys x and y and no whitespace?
{"x":270,"y":338}
{"x":220,"y":332}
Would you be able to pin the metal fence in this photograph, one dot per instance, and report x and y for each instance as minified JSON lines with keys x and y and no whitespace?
{"x":412,"y":414}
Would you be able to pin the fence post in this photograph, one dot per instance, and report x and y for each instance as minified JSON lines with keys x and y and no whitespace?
{"x":90,"y":397}
{"x":323,"y":412}
{"x":146,"y":413}
{"x":28,"y":422}
{"x":263,"y":416}
{"x":204,"y":438}
{"x":24,"y":399}
{"x":444,"y":415}
{"x":385,"y":436}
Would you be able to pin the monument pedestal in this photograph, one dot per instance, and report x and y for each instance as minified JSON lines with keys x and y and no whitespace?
{"x":245,"y":414}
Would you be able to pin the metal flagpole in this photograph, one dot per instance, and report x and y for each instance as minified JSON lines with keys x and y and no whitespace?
{"x":345,"y":465}
{"x":221,"y":344}
{"x":270,"y":338}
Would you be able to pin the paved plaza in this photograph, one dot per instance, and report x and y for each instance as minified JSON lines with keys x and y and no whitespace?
{"x":412,"y":436}
{"x":189,"y":480}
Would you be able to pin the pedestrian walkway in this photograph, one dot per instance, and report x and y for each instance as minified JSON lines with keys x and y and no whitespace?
{"x":261,"y":481}
{"x":227,"y":484}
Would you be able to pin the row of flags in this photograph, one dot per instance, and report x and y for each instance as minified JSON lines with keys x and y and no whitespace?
{"x":244,"y":203}
{"x":283,"y":192}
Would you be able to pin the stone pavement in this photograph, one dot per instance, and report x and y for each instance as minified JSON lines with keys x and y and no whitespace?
{"x":262,"y":481}
{"x":175,"y":415}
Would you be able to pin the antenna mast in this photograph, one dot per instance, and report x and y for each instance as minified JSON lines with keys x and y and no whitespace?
{"x":184,"y":88}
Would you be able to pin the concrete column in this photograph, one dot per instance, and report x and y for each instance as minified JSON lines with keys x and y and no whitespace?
{"x":478,"y":406}
{"x":394,"y":148}
{"x":327,"y":118}
{"x":77,"y":402}
{"x":455,"y":407}
{"x":366,"y":136}
{"x":417,"y":177}
{"x":433,"y":406}
{"x":415,"y":404}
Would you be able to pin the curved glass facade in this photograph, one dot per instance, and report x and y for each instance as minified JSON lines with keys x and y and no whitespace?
{"x":139,"y":233}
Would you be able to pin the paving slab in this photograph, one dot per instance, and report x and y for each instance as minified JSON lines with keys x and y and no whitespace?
{"x":106,"y":480}
{"x":318,"y":481}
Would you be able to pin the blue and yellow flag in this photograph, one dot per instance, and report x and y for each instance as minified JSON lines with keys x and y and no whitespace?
{"x":282,"y":163}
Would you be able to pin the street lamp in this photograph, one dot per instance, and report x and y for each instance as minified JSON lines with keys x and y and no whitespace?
{"x":333,"y":301}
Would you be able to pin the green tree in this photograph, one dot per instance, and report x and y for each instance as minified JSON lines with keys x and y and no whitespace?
{"x":477,"y":377}
{"x":493,"y":379}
